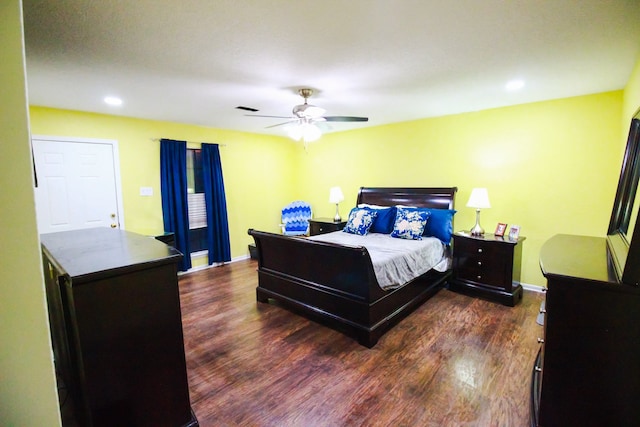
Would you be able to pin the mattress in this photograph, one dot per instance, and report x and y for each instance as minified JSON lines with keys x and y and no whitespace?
{"x":395,"y":261}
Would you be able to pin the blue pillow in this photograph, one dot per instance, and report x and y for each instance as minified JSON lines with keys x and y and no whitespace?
{"x":384,"y":221}
{"x":360,"y":221}
{"x":440,"y":224}
{"x":410,"y":223}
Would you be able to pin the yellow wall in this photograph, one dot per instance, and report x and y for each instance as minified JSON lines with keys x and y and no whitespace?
{"x":28,"y":394}
{"x":550,"y":167}
{"x":258,"y":170}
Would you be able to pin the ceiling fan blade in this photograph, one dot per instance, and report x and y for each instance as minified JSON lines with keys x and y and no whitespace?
{"x":280,"y":124}
{"x":345,"y":119}
{"x":273,"y":117}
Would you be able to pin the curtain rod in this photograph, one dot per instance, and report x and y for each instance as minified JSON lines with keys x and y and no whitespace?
{"x":193,"y":142}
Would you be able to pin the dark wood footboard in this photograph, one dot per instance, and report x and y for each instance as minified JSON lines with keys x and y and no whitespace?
{"x":335,"y":285}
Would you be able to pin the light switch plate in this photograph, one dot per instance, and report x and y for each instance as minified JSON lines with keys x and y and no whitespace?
{"x":146,"y":191}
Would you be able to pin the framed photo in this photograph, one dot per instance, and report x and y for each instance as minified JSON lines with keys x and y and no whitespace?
{"x":514,"y":232}
{"x":500,"y":229}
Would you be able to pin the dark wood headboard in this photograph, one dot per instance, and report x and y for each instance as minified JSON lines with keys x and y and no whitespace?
{"x":424,"y":197}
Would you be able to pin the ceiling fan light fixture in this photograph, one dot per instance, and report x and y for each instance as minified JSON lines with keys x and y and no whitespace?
{"x":295,"y":132}
{"x":304,"y":130}
{"x":310,"y":132}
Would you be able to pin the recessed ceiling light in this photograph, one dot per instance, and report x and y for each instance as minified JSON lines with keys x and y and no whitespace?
{"x":514,"y":85}
{"x":112,"y":100}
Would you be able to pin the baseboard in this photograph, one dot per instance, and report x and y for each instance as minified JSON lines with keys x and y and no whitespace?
{"x":533,"y":288}
{"x":215,"y":264}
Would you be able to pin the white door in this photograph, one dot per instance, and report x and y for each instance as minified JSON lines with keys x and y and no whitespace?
{"x":78,"y":184}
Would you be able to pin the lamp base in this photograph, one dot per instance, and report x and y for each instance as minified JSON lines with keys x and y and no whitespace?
{"x":477,"y":229}
{"x":337,"y":217}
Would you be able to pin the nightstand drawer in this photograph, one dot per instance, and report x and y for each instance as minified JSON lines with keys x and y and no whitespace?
{"x":324,"y":225}
{"x":481,"y":249}
{"x":485,"y":270}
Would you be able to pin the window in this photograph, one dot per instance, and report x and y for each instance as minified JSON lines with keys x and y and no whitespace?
{"x":196,"y":203}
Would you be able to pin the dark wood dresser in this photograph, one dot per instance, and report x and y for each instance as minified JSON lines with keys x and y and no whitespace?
{"x":588,"y":369}
{"x":116,"y":326}
{"x":487,"y":266}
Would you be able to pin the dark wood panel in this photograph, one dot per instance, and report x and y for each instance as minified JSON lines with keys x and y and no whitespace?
{"x":487,"y":266}
{"x":427,"y":197}
{"x":454,"y":361}
{"x":590,"y":375}
{"x":116,"y":329}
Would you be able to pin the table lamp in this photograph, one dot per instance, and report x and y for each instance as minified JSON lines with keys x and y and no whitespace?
{"x":479,"y":199}
{"x":336,"y":196}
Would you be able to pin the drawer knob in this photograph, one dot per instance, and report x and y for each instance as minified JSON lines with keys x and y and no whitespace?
{"x":479,"y":262}
{"x":543,"y":311}
{"x":538,"y":369}
{"x":479,"y":277}
{"x":540,"y":341}
{"x":479,"y":250}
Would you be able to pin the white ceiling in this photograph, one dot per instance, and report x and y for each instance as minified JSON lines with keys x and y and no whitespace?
{"x":194,"y":61}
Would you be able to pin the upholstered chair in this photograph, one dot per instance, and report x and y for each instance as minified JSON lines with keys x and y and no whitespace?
{"x":295,"y":218}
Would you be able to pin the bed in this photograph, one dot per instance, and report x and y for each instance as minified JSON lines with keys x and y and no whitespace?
{"x":336,"y":285}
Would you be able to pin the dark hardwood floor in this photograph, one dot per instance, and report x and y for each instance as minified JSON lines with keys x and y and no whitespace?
{"x":455,"y":361}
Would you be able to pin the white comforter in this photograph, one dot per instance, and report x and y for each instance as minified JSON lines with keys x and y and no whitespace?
{"x":395,"y":261}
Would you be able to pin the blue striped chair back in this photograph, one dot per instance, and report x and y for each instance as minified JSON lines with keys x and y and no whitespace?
{"x":295,"y":218}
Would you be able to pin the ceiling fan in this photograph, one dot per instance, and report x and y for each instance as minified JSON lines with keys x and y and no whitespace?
{"x":305,"y":116}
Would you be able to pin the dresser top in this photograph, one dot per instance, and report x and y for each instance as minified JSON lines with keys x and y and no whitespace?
{"x":85,"y":254}
{"x":580,"y":257}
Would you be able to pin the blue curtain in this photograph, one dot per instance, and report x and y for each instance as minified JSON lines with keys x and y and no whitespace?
{"x":173,"y":186}
{"x":216,"y":203}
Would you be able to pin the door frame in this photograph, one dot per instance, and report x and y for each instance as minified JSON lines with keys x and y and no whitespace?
{"x":116,"y":163}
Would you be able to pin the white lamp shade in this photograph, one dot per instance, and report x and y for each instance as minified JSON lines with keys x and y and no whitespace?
{"x":479,"y":199}
{"x":335,"y":195}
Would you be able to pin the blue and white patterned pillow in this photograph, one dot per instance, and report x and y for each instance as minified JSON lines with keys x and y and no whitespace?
{"x":409,"y":224}
{"x":360,"y":221}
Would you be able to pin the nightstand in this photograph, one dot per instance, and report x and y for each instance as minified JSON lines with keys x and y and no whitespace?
{"x":324,"y":225}
{"x":487,"y":266}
